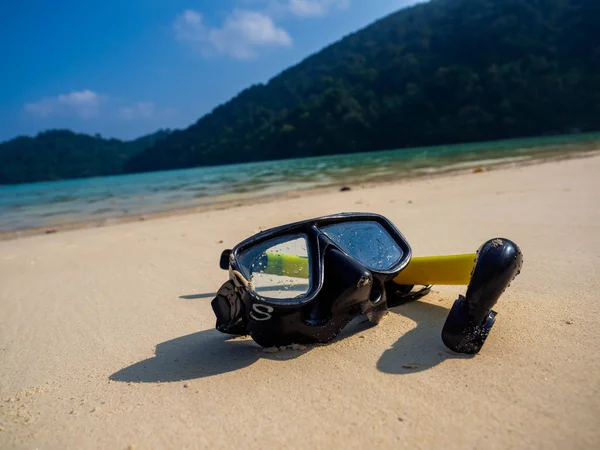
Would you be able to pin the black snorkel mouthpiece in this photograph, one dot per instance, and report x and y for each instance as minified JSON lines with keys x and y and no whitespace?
{"x":471,"y":318}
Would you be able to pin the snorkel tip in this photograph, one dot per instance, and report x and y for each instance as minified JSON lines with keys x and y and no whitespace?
{"x":471,"y":318}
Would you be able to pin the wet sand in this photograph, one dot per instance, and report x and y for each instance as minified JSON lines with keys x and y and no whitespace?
{"x":107,"y":336}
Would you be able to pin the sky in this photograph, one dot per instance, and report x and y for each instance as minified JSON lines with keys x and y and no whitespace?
{"x":125,"y":68}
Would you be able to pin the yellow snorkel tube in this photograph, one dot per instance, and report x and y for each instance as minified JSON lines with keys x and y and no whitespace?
{"x":424,"y":270}
{"x":286,"y":265}
{"x":442,"y":270}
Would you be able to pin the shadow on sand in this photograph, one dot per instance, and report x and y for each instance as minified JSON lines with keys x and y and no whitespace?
{"x":208,"y":353}
{"x":196,"y":355}
{"x":422,"y":347}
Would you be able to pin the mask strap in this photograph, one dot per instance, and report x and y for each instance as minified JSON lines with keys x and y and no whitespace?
{"x":229,"y":309}
{"x":240,"y":281}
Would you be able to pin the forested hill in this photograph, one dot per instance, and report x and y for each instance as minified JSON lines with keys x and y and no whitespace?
{"x":63,"y":154}
{"x":446,"y":71}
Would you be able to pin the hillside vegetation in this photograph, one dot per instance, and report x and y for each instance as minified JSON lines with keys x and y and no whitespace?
{"x":63,"y":154}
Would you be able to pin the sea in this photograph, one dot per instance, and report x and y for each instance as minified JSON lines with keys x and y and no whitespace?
{"x":54,"y":204}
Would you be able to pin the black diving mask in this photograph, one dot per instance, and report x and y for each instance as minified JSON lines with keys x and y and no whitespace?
{"x":303,"y":282}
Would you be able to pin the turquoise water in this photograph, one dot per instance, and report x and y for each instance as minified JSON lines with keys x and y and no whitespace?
{"x":57,"y":203}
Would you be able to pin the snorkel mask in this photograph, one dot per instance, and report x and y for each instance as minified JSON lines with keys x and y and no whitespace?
{"x":302,"y":283}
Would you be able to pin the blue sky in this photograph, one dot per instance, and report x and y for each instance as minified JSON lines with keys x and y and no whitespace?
{"x":124,"y":68}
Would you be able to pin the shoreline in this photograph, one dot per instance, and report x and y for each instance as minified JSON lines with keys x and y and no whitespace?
{"x":268,"y":198}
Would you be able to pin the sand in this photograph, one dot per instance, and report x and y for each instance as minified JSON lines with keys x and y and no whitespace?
{"x":107,"y":336}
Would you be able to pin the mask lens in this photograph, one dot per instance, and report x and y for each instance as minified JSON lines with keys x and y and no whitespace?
{"x":279,"y":268}
{"x":366,"y":241}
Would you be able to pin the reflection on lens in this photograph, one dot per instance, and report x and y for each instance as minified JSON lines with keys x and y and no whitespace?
{"x":279,"y":268}
{"x":366,"y":241}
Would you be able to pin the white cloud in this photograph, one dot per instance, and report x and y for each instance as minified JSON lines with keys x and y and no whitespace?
{"x":144,"y":110}
{"x":91,"y":106}
{"x":299,"y":8}
{"x":84,"y":104}
{"x":138,"y":110}
{"x":189,"y":26}
{"x":314,"y":8}
{"x":241,"y":34}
